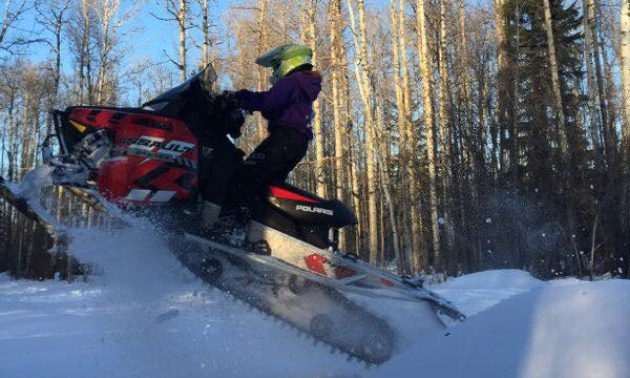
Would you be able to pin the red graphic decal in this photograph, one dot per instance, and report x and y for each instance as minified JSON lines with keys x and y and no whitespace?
{"x":343,"y":272}
{"x":387,"y":282}
{"x":143,"y":174}
{"x":315,"y":263}
{"x":285,"y":194}
{"x":319,"y":264}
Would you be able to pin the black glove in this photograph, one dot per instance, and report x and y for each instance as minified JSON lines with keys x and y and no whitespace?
{"x":229,"y":100}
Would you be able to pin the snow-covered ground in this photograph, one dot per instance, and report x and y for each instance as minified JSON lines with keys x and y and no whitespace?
{"x":143,"y":315}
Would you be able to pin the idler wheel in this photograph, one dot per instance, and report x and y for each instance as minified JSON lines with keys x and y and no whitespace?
{"x":211,"y":270}
{"x":378,"y":347}
{"x":299,"y":285}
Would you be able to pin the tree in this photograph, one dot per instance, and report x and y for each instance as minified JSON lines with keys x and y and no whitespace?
{"x":53,"y":18}
{"x":317,"y":121}
{"x":12,"y":13}
{"x":426,"y":70}
{"x":361,"y":73}
{"x":625,"y":73}
{"x":179,"y":12}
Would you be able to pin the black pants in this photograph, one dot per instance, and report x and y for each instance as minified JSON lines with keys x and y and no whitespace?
{"x":270,"y":162}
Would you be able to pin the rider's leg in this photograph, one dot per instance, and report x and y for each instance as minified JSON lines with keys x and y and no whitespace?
{"x":272,"y":160}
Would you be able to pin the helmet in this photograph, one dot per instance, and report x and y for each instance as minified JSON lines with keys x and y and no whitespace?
{"x":284,"y":59}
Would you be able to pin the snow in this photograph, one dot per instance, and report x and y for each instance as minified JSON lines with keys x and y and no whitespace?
{"x":571,"y":329}
{"x":143,"y":315}
{"x":477,"y":292}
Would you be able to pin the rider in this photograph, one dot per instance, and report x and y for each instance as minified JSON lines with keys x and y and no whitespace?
{"x":288,"y":106}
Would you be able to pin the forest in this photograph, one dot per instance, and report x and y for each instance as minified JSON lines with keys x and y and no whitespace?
{"x":465,"y":134}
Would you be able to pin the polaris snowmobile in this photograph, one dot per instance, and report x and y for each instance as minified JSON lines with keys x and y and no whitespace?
{"x":172,"y":161}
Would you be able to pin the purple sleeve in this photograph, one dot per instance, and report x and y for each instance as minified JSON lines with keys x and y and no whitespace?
{"x":276,"y":97}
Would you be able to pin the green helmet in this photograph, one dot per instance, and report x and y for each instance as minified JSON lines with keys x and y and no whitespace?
{"x":284,"y":59}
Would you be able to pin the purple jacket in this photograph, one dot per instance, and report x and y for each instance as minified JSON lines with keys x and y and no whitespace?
{"x":289,"y":102}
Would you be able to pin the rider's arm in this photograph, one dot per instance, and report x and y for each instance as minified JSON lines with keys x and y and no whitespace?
{"x":277,"y":97}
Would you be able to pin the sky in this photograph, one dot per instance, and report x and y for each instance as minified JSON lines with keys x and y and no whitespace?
{"x":146,"y":37}
{"x":157,"y":35}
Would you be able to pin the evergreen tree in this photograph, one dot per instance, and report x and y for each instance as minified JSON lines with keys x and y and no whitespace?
{"x":537,"y":130}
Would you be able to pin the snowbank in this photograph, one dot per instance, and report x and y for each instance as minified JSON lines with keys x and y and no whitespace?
{"x":477,"y":292}
{"x":578,"y":330}
{"x":144,"y":315}
{"x":494,"y":279}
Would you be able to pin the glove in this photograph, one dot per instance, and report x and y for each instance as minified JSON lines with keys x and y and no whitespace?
{"x":230,"y":99}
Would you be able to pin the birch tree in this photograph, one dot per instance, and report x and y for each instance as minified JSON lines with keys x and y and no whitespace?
{"x":208,"y":42}
{"x":322,"y":189}
{"x":502,"y":95}
{"x":178,"y":11}
{"x":555,"y":78}
{"x":426,"y":70}
{"x":625,"y":72}
{"x":10,"y":16}
{"x":53,"y":18}
{"x":593,"y":95}
{"x":110,"y":21}
{"x":411,"y":149}
{"x":339,"y":127}
{"x":362,"y":77}
{"x":86,"y":52}
{"x":263,"y":46}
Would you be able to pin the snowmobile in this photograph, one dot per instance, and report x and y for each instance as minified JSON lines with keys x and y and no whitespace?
{"x":171,"y":160}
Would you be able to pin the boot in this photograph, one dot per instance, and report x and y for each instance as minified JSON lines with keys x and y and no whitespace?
{"x":231,"y":229}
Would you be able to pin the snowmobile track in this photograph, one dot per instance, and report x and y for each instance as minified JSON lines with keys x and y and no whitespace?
{"x":256,"y":296}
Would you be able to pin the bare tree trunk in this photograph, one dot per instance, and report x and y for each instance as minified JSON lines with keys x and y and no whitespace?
{"x":555,"y":78}
{"x":397,"y":84}
{"x":53,"y":19}
{"x":444,"y":100}
{"x":361,"y":72}
{"x":414,"y":214}
{"x":263,"y":45}
{"x":402,"y":125}
{"x":183,"y":50}
{"x":625,"y":73}
{"x":386,"y":186}
{"x":106,"y":13}
{"x":207,"y":41}
{"x":592,"y":88}
{"x":426,"y":69}
{"x":322,"y":187}
{"x":502,"y":99}
{"x":340,"y":158}
{"x":600,"y":82}
{"x":25,"y":133}
{"x":609,"y":81}
{"x":464,"y":77}
{"x":352,"y":156}
{"x":87,"y":25}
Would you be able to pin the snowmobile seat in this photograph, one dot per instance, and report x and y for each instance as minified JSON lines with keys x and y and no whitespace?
{"x":306,"y":207}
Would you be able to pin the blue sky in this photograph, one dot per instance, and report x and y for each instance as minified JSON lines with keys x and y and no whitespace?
{"x":158,"y":35}
{"x":150,"y":36}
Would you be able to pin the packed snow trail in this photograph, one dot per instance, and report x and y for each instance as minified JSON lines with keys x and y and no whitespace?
{"x":561,"y":329}
{"x":144,"y":315}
